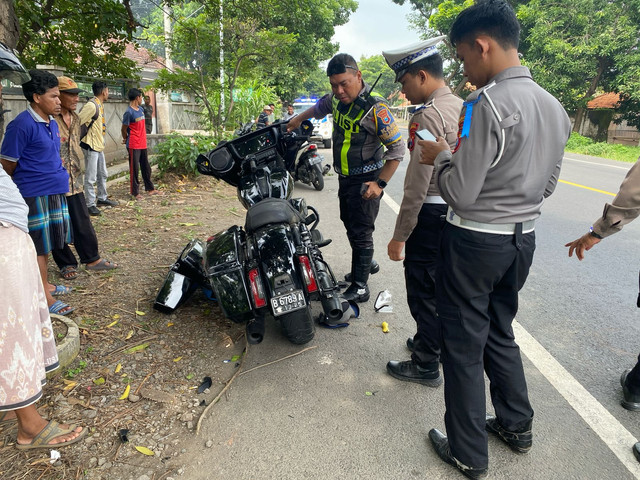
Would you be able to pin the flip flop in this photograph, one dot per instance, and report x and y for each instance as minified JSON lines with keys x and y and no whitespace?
{"x":70,"y":272}
{"x":48,"y":433}
{"x":103,"y":264}
{"x":58,"y":308}
{"x":6,"y":422}
{"x":61,"y":290}
{"x":155,"y":192}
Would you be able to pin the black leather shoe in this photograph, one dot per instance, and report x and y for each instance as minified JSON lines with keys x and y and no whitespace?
{"x":631,"y":401}
{"x":441,"y":446}
{"x":410,"y":371}
{"x":519,"y":441}
{"x":410,"y":343}
{"x":110,"y":203}
{"x":94,"y":211}
{"x":636,"y":451}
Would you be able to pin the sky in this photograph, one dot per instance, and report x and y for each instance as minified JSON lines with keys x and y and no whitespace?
{"x":377,"y":25}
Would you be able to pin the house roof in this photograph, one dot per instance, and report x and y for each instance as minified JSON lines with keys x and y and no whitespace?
{"x":607,"y":100}
{"x":144,"y":58}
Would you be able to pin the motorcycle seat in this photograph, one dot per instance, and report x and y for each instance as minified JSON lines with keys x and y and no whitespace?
{"x":270,"y":210}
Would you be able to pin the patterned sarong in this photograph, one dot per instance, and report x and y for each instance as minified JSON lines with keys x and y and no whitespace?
{"x":49,"y":224}
{"x":27,"y":343}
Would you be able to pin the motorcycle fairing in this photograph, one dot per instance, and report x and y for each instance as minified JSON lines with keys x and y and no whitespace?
{"x":184,"y":277}
{"x":264,"y":184}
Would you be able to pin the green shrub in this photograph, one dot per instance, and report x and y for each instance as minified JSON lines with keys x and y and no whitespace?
{"x":178,"y":152}
{"x":586,"y":146}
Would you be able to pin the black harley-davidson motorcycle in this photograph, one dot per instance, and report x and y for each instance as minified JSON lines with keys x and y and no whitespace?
{"x":273,"y":266}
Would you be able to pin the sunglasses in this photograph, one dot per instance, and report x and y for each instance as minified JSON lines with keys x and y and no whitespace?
{"x":339,"y":68}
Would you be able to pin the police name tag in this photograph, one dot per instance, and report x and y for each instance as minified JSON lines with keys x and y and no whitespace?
{"x":288,"y":302}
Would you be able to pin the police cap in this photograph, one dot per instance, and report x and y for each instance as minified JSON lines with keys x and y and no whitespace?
{"x":400,"y":59}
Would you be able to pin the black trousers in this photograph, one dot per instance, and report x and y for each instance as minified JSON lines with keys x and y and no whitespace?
{"x":477,"y":284}
{"x":421,"y":254}
{"x":139,"y":161}
{"x":357,"y":214}
{"x":84,"y":236}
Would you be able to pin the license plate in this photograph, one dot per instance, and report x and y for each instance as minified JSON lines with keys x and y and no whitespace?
{"x":315,"y":159}
{"x":288,"y":302}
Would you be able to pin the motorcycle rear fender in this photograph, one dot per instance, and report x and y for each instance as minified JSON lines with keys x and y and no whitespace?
{"x":314,"y":159}
{"x":278,"y":265}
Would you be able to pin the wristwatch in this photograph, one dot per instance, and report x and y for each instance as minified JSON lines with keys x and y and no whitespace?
{"x":381,"y":183}
{"x":594,"y":234}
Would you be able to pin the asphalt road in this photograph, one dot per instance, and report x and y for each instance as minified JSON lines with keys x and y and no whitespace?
{"x":333,"y":412}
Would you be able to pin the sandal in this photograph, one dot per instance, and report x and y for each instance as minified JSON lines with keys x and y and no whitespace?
{"x":155,"y":192}
{"x":60,"y":290}
{"x":48,"y":433}
{"x":70,"y":272}
{"x":60,"y":308}
{"x":103,"y":264}
{"x":7,"y":422}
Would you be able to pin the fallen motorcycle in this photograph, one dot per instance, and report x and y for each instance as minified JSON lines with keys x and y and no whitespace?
{"x":273,"y":267}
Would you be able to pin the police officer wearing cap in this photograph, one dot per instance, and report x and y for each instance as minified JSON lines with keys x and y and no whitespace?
{"x":418,"y":68}
{"x":362,"y":127}
{"x":506,"y":161}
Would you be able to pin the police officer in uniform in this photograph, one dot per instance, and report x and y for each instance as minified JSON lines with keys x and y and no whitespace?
{"x":362,"y":127}
{"x":507,"y":160}
{"x":624,"y":209}
{"x":418,"y":68}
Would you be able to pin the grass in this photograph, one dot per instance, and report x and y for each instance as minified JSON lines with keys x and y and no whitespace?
{"x":586,"y":146}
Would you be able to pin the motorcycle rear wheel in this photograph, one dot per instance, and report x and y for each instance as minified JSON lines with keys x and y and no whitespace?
{"x":318,"y":179}
{"x":298,"y":326}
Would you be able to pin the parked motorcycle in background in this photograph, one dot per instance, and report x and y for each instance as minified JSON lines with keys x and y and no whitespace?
{"x":273,"y":267}
{"x":308,"y":166}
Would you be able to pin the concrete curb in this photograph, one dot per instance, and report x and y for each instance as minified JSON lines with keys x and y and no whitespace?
{"x":69,"y":347}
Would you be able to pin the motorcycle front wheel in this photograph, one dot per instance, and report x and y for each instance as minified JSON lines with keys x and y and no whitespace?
{"x":318,"y":179}
{"x":298,"y":326}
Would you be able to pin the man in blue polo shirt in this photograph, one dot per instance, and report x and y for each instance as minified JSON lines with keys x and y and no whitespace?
{"x":30,"y":153}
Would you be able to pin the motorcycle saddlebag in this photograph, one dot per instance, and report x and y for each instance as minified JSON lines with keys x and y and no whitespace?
{"x":184,"y":277}
{"x":225,"y":270}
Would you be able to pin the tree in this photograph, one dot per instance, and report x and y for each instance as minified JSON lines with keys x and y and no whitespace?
{"x":575,"y":49}
{"x":276,"y":42}
{"x":376,"y":65}
{"x":86,"y":38}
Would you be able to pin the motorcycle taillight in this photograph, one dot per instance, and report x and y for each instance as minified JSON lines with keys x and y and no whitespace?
{"x":313,"y":147}
{"x":307,"y":274}
{"x":257,"y":291}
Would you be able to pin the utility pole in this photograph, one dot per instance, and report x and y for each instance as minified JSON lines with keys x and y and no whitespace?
{"x":221,"y":58}
{"x":168,"y":31}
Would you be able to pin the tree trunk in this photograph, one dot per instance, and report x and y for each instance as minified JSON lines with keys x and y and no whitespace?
{"x":581,"y":111}
{"x":9,"y":33}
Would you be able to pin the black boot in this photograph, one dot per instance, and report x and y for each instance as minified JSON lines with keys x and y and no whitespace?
{"x":631,"y":401}
{"x":519,"y":440}
{"x":441,"y":445}
{"x":358,"y":291}
{"x":375,"y":268}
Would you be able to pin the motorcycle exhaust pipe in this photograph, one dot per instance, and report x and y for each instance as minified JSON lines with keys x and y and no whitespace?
{"x":255,"y":330}
{"x":332,"y":307}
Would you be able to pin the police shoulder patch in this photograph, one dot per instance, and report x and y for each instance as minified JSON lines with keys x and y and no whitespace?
{"x":382,"y":112}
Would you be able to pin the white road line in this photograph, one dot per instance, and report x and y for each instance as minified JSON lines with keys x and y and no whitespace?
{"x":392,"y":203}
{"x":606,"y":426}
{"x":599,"y":164}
